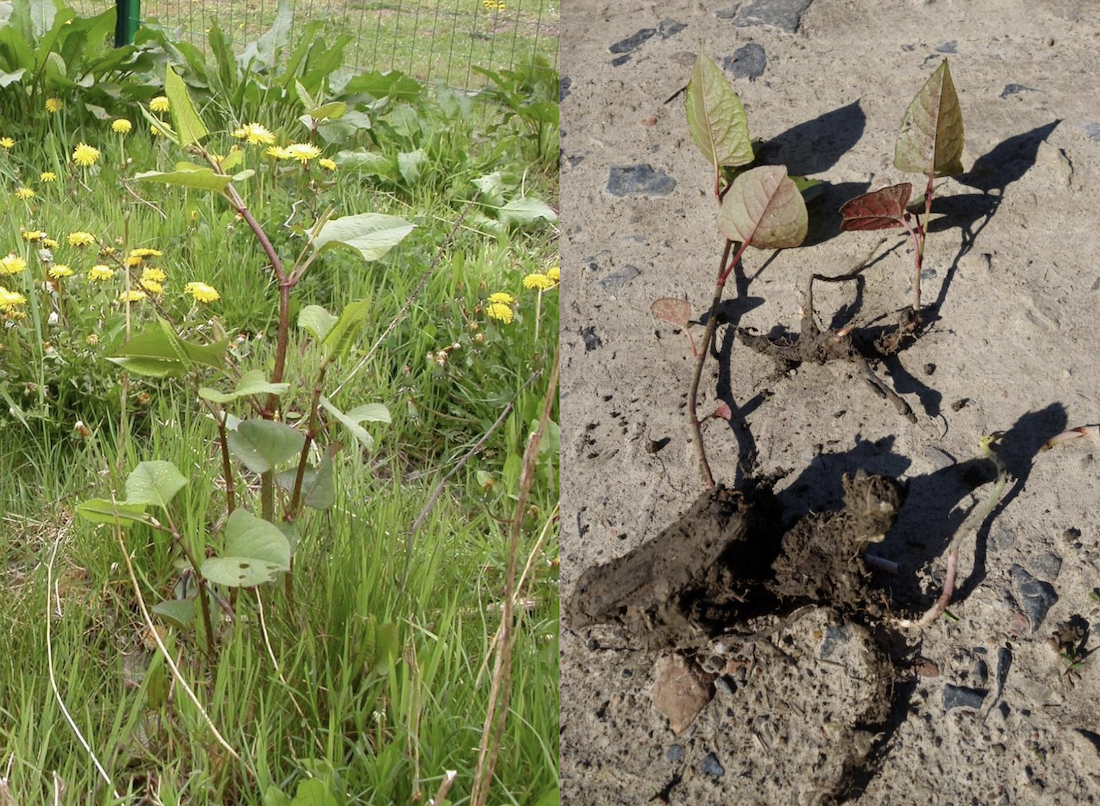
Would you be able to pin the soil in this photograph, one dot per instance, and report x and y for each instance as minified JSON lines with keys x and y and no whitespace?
{"x":746,"y":650}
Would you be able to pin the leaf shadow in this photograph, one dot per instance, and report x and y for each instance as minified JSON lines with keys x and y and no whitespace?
{"x":991,"y":174}
{"x":817,"y":145}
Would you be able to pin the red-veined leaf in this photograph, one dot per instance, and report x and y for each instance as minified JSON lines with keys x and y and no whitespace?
{"x":931,"y":135}
{"x":764,"y":208}
{"x":674,"y":311}
{"x":881,"y":209}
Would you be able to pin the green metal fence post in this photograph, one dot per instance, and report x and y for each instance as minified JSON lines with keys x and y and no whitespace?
{"x":127,"y":20}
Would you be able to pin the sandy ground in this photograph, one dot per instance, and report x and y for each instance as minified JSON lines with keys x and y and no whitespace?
{"x":982,"y":709}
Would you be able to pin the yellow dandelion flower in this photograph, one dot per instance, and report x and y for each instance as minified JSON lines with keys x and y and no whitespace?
{"x":85,"y":155}
{"x":554,"y":274}
{"x":155,"y":130}
{"x":133,"y":295}
{"x":202,"y":292}
{"x":50,"y":243}
{"x":327,"y":164}
{"x":10,"y":299}
{"x":47,"y":176}
{"x":303,"y":152}
{"x":133,"y":261}
{"x":502,"y":298}
{"x":159,"y":104}
{"x":152,"y":286}
{"x":500,"y":311}
{"x":100,"y":273}
{"x":278,"y":152}
{"x":92,"y":339}
{"x":24,"y":193}
{"x":12,"y":264}
{"x":154,"y":275}
{"x":537,"y":282}
{"x":81,"y":239}
{"x":146,"y":252}
{"x":121,"y":126}
{"x":256,"y":134}
{"x":60,"y":270}
{"x":32,"y":235}
{"x":54,"y":105}
{"x":6,"y":143}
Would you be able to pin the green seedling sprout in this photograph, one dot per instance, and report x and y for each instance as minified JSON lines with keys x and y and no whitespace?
{"x":760,"y":207}
{"x":930,"y":142}
{"x":971,"y":524}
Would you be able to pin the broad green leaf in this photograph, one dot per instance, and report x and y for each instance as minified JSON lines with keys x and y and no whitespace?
{"x":369,"y":163}
{"x":931,"y":135}
{"x":524,"y":211}
{"x":316,"y":320}
{"x":716,"y":118}
{"x":188,"y":124}
{"x":764,"y":209}
{"x":150,"y":367}
{"x":260,"y":55}
{"x":492,"y":189}
{"x":6,"y":79}
{"x":371,"y":234}
{"x":155,"y":483}
{"x":350,"y":423}
{"x":313,"y":792}
{"x":273,"y":796}
{"x":231,"y":160}
{"x":882,"y":209}
{"x":345,"y":331}
{"x":810,"y":189}
{"x":240,"y":176}
{"x":672,"y":310}
{"x":201,"y":179}
{"x":370,"y":413}
{"x":263,"y":444}
{"x":409,"y":165}
{"x":155,"y":352}
{"x":252,"y":382}
{"x":551,"y":797}
{"x":330,"y":111}
{"x":393,"y":84}
{"x":41,"y":15}
{"x":255,"y":551}
{"x":177,"y":612}
{"x":207,"y":355}
{"x":318,"y":484}
{"x":100,"y":510}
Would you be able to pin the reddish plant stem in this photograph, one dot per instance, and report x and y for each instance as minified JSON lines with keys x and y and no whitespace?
{"x":311,"y":435}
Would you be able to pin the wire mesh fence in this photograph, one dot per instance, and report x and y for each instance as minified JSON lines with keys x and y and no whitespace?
{"x":432,"y":40}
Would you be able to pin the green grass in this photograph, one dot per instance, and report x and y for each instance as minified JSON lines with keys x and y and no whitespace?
{"x":372,"y":687}
{"x":435,"y":41}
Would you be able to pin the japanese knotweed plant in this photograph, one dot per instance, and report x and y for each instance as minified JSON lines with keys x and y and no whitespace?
{"x":292,"y":455}
{"x":759,"y":207}
{"x":929,"y":142}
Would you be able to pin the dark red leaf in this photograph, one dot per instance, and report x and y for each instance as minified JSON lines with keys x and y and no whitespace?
{"x":675,"y":311}
{"x":881,"y":209}
{"x":722,"y":410}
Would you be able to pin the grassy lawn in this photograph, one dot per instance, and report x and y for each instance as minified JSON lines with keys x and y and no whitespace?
{"x":133,"y":670}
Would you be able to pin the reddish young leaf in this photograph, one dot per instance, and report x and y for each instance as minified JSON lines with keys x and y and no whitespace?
{"x":675,"y":311}
{"x":723,"y":410}
{"x":880,"y":209}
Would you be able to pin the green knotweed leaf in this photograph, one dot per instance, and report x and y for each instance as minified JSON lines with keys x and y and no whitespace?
{"x":100,"y":510}
{"x":155,"y":483}
{"x":345,"y":331}
{"x":156,"y":352}
{"x":255,"y":551}
{"x":371,"y":234}
{"x":763,"y":208}
{"x":189,"y":126}
{"x":201,"y":179}
{"x":931,"y":135}
{"x":316,"y":320}
{"x":672,"y":310}
{"x":252,"y":382}
{"x":313,"y":792}
{"x":881,"y":209}
{"x":716,"y":117}
{"x":179,"y":613}
{"x":811,"y":189}
{"x":263,"y":444}
{"x":330,"y":111}
{"x":371,"y":412}
{"x":318,"y":484}
{"x":370,"y":163}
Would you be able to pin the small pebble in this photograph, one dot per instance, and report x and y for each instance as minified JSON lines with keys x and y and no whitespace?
{"x":563,"y":88}
{"x":782,"y":14}
{"x":746,"y":62}
{"x":613,"y":283}
{"x":668,"y":28}
{"x":980,"y":672}
{"x":1092,"y":130}
{"x":929,"y":369}
{"x":1036,"y":597}
{"x":947,"y":47}
{"x":619,"y":61}
{"x":725,"y":685}
{"x":628,"y":180}
{"x":1071,"y":535}
{"x":1015,"y":89}
{"x":710,"y":766}
{"x":674,"y":753}
{"x":633,"y":42}
{"x":591,"y":339}
{"x":962,"y":697}
{"x":960,"y":404}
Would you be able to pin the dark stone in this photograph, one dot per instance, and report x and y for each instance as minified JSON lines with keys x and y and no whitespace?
{"x":833,"y":637}
{"x":746,"y":62}
{"x":1002,"y":539}
{"x":962,"y":697}
{"x":591,"y":339}
{"x":614,"y":283}
{"x":668,"y":28}
{"x":1047,"y":565}
{"x":947,"y":47}
{"x":627,"y":180}
{"x":980,"y":672}
{"x":674,"y":753}
{"x":563,"y":88}
{"x":1092,"y":130}
{"x":960,"y":404}
{"x":782,"y":14}
{"x":1014,"y":89}
{"x":632,"y":43}
{"x":710,"y":766}
{"x":1036,"y":596}
{"x":619,"y":61}
{"x":929,"y":369}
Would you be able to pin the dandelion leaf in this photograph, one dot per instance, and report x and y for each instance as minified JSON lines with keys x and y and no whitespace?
{"x":189,"y":126}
